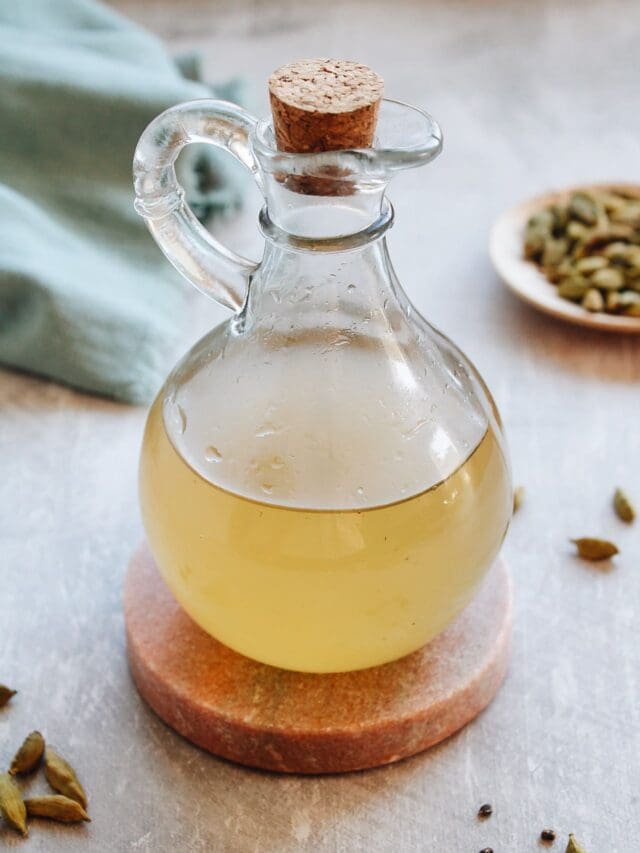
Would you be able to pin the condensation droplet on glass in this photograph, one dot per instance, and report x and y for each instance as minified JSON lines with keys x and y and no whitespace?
{"x":351,"y":287}
{"x":277,"y":462}
{"x":360,"y":491}
{"x":266,"y":429}
{"x":212,"y":454}
{"x":267,"y":488}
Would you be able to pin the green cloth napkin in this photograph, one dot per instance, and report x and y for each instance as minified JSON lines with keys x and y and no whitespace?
{"x":86,"y":297}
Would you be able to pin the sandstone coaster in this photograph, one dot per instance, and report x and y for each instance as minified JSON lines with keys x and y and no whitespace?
{"x":293,"y":722}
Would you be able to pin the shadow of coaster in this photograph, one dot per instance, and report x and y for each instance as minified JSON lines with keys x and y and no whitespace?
{"x":294,"y":722}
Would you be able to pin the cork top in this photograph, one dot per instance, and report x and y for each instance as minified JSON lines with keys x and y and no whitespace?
{"x":326,"y":85}
{"x":324,"y":105}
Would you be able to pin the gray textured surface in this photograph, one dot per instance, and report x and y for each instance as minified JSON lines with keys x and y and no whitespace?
{"x":530,"y":95}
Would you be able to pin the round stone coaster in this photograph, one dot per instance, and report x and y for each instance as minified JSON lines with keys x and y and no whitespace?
{"x":303,"y":723}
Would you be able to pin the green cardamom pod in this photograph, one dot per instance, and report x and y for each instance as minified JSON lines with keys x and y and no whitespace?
{"x":608,"y":279}
{"x":616,"y":251}
{"x":5,"y":695}
{"x":573,"y":288}
{"x":612,"y":301}
{"x":534,"y":239}
{"x":557,"y":274}
{"x":537,"y":231}
{"x":628,"y":298}
{"x":518,"y":497}
{"x":560,"y":216}
{"x":625,"y":510}
{"x":577,"y":231}
{"x":574,"y":845}
{"x":62,"y":777}
{"x":12,"y":805}
{"x":629,"y":214}
{"x":590,"y":264}
{"x":611,"y":201}
{"x":593,"y":300}
{"x":600,"y":237}
{"x":29,"y":755}
{"x":584,"y":208}
{"x":633,"y":255}
{"x":555,"y":251}
{"x":543,"y":219}
{"x":56,"y":807}
{"x":594,"y":549}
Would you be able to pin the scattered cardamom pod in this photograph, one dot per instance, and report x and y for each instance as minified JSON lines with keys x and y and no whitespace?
{"x":12,"y":805}
{"x":574,"y":845}
{"x":625,"y":510}
{"x":56,"y":807}
{"x":589,"y":248}
{"x":62,"y":777}
{"x":595,"y":549}
{"x":5,"y":695}
{"x":518,"y":497}
{"x":29,"y":755}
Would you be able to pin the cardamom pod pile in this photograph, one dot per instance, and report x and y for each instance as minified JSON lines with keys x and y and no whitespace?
{"x":590,"y":249}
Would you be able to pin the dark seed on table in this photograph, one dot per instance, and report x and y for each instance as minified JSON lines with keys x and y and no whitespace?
{"x":548,"y":835}
{"x":485,"y":811}
{"x":487,"y":850}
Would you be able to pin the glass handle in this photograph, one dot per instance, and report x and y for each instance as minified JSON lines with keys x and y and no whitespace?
{"x":204,"y":261}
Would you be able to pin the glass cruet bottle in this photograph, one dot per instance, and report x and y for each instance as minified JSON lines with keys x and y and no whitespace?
{"x":324,"y":480}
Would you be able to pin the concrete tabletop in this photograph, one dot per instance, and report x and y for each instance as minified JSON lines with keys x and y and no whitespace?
{"x":531,"y":96}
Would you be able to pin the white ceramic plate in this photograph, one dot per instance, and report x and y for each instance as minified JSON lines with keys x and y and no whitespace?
{"x":525,"y":279}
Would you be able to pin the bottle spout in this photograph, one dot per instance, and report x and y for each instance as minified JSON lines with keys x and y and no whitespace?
{"x":406,"y":137}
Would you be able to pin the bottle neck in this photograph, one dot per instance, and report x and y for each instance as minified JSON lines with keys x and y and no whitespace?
{"x":296,"y":207}
{"x":339,"y":295}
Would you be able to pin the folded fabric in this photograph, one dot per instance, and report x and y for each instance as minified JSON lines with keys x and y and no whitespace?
{"x":86,"y":297}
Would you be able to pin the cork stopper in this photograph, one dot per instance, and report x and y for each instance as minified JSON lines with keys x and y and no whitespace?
{"x":324,"y":105}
